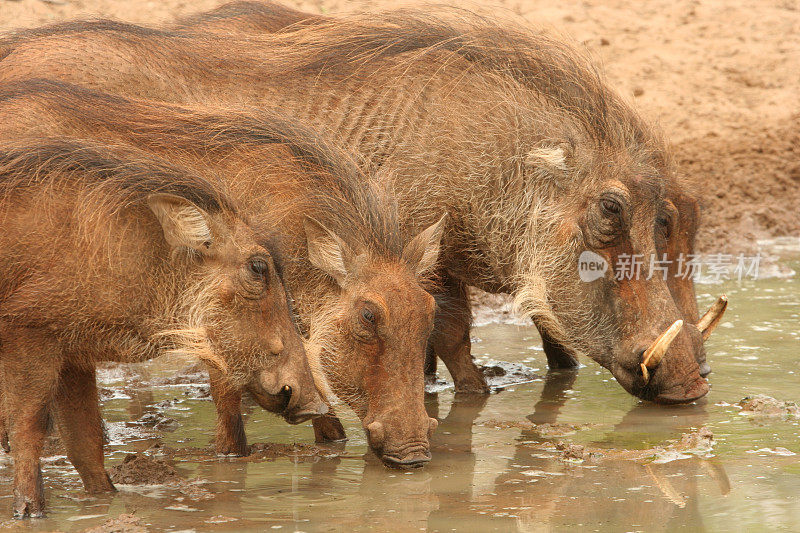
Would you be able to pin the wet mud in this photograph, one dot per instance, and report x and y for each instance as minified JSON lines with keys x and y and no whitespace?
{"x":139,"y":469}
{"x":124,"y":523}
{"x":764,"y":406}
{"x":297,"y":452}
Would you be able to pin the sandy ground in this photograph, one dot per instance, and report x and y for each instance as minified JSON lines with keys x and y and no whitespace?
{"x":721,"y":77}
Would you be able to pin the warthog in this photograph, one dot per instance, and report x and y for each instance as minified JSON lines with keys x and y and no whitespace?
{"x":681,"y":203}
{"x":113,"y":255}
{"x":530,"y":152}
{"x":681,"y":209}
{"x":359,"y":287}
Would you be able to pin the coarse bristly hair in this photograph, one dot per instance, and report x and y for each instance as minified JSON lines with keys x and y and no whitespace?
{"x":101,"y":182}
{"x":290,"y":172}
{"x":538,"y":80}
{"x":529,"y":115}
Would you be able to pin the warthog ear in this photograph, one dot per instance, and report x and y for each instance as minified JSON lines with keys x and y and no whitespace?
{"x":423,"y":251}
{"x":326,"y":250}
{"x":184,"y":224}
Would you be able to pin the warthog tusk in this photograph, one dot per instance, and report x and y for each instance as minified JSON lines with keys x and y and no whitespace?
{"x":709,"y":321}
{"x":653,"y":355}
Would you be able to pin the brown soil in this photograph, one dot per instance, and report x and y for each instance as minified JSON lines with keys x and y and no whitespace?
{"x":571,"y":452}
{"x":545,"y":431}
{"x":259,"y":451}
{"x":720,"y":77}
{"x":157,"y":421}
{"x":699,"y":442}
{"x":140,"y":469}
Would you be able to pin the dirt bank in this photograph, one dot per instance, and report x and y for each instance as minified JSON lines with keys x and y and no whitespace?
{"x":721,"y":78}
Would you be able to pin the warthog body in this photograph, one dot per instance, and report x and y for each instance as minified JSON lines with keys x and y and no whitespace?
{"x":357,"y":285}
{"x":256,"y":17}
{"x":532,"y":155}
{"x":112,"y":255}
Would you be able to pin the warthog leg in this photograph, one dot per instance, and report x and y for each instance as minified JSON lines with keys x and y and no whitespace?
{"x":78,"y":417}
{"x":450,"y":340}
{"x":558,"y":357}
{"x":30,"y":367}
{"x":3,"y":422}
{"x":230,"y":436}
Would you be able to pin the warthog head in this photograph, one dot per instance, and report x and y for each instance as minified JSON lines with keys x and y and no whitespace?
{"x":239,"y":315}
{"x":383,"y":318}
{"x":606,"y":263}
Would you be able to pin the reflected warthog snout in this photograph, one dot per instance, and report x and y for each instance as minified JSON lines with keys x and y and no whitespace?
{"x":407,"y":454}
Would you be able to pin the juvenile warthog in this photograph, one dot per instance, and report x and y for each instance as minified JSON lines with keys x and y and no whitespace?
{"x":358,"y":286}
{"x":534,"y":158}
{"x":112,"y":255}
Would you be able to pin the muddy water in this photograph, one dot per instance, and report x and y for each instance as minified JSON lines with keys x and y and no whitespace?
{"x":562,"y":450}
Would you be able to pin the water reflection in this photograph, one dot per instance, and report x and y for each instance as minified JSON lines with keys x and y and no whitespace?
{"x":531,"y":487}
{"x":553,"y":398}
{"x":538,"y":489}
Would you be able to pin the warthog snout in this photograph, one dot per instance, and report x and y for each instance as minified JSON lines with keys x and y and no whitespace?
{"x":299,"y":411}
{"x":666,"y":374}
{"x":411,"y":453}
{"x":290,"y":392}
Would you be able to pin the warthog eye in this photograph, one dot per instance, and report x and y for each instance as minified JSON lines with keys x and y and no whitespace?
{"x":610,"y":207}
{"x":259,"y":267}
{"x":368,"y":316}
{"x":664,"y":223}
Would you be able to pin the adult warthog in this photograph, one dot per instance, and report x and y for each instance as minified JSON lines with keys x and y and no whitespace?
{"x":680,"y":211}
{"x":113,"y":255}
{"x":533,"y":156}
{"x":359,"y":286}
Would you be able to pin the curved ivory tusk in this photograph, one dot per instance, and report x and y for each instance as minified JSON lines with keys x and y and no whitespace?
{"x":652,"y":356}
{"x":709,"y":321}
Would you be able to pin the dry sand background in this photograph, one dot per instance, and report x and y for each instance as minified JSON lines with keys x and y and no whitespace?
{"x":721,"y":76}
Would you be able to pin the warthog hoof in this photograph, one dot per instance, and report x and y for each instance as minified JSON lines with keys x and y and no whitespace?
{"x":25,"y":507}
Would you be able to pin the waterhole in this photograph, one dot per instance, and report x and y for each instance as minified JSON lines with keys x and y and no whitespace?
{"x":559,"y":451}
